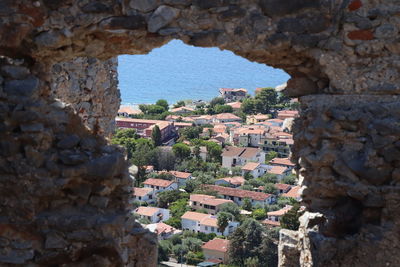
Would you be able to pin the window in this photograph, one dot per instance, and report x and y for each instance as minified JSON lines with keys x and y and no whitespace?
{"x":151,"y":197}
{"x":212,"y":229}
{"x":194,"y":203}
{"x":206,"y":228}
{"x":140,"y":198}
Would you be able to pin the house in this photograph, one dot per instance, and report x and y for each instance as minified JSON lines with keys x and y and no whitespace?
{"x":182,"y":110}
{"x":250,"y":136}
{"x":145,"y":127}
{"x":148,"y":168}
{"x":181,"y":125}
{"x":283,"y":162}
{"x":280,"y":188}
{"x":256,"y":169}
{"x":144,"y":194}
{"x":254,"y":119}
{"x":279,"y":171}
{"x":160,"y":185}
{"x":231,"y":95}
{"x":205,"y":223}
{"x":286,"y":114}
{"x":238,"y":195}
{"x":239,"y":156}
{"x":235,"y":105}
{"x":294,"y":192}
{"x":216,"y":249}
{"x":210,"y":203}
{"x":280,"y":142}
{"x":225,"y":117}
{"x":234,"y":182}
{"x":181,"y":177}
{"x":275,"y":216}
{"x":163,"y":231}
{"x":201,"y":120}
{"x":127,"y":111}
{"x":153,"y":214}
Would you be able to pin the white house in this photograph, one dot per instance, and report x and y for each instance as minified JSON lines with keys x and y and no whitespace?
{"x":153,"y":214}
{"x":238,"y":195}
{"x":205,"y":223}
{"x":234,"y":182}
{"x":181,"y":177}
{"x":144,"y":194}
{"x":163,"y":231}
{"x":226,"y":117}
{"x":256,"y":169}
{"x":160,"y":185}
{"x":239,"y":156}
{"x":210,"y":203}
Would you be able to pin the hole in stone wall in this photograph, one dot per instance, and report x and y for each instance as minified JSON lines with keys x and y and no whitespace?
{"x":196,"y":127}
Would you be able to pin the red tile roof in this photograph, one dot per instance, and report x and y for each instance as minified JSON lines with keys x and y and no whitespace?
{"x":217,"y":244}
{"x":158,"y":182}
{"x":251,"y":166}
{"x":282,"y":161}
{"x":271,"y":222}
{"x":146,"y":211}
{"x":194,"y":216}
{"x":235,"y":105}
{"x":226,"y":116}
{"x":294,"y":192}
{"x":141,"y":191}
{"x":283,"y":187}
{"x":181,"y":175}
{"x":277,"y":170}
{"x":238,"y":192}
{"x":128,"y":110}
{"x":236,"y":180}
{"x":243,"y":152}
{"x":280,"y":212}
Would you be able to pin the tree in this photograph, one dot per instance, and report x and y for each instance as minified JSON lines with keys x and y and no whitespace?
{"x":270,"y":155}
{"x":190,"y":132}
{"x":179,"y":104}
{"x":156,"y":135}
{"x":174,"y":222}
{"x":259,"y":214}
{"x":181,"y":150}
{"x":163,"y":103}
{"x":247,"y":204}
{"x":214,"y":151}
{"x":164,"y":249}
{"x":248,"y":106}
{"x":192,"y":243}
{"x":217,"y":100}
{"x":265,"y":100}
{"x":291,"y":219}
{"x":290,"y":179}
{"x":180,"y":251}
{"x":143,"y":156}
{"x":223,"y":220}
{"x":164,"y":159}
{"x":230,"y":208}
{"x":165,"y":198}
{"x":196,"y":151}
{"x":270,"y":188}
{"x":222,"y":109}
{"x":126,"y":138}
{"x":191,"y":185}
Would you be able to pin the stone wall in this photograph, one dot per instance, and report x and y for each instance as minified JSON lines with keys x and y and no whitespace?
{"x":65,"y":191}
{"x":90,"y":87}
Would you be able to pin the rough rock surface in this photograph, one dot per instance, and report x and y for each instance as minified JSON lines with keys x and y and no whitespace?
{"x":65,"y":192}
{"x":89,"y":85}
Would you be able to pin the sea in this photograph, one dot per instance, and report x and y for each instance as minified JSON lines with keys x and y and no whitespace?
{"x":177,"y":71}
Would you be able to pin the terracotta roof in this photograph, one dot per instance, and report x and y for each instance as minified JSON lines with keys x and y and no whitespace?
{"x":199,"y":197}
{"x":244,"y":152}
{"x":217,"y":244}
{"x":160,"y":228}
{"x":259,"y":116}
{"x":277,"y":170}
{"x":158,"y":182}
{"x":250,"y":130}
{"x":146,"y":211}
{"x":129,"y":110}
{"x":139,"y":120}
{"x":216,"y":201}
{"x":271,"y":222}
{"x":181,"y":175}
{"x":238,"y":192}
{"x":288,"y":113}
{"x":226,"y":116}
{"x":236,"y":180}
{"x":282,"y":161}
{"x":251,"y":166}
{"x":181,"y":109}
{"x":141,"y":191}
{"x":232,"y":90}
{"x":210,"y":221}
{"x":235,"y":105}
{"x":283,"y":187}
{"x":183,"y":124}
{"x":280,"y":212}
{"x":294,"y":192}
{"x":194,"y":216}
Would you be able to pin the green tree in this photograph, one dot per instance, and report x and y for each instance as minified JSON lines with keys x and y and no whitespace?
{"x":196,"y":151}
{"x":291,"y":219}
{"x":248,"y":106}
{"x":180,"y":251}
{"x":265,"y":100}
{"x":223,"y":220}
{"x":143,"y":156}
{"x":126,"y":138}
{"x":178,"y":208}
{"x":223,"y":109}
{"x":214,"y":151}
{"x":181,"y":151}
{"x":164,"y":159}
{"x":290,"y":179}
{"x":252,"y":262}
{"x":164,"y":249}
{"x":259,"y":214}
{"x":230,"y":208}
{"x":194,"y":258}
{"x":190,"y":132}
{"x":217,"y":100}
{"x":179,"y":104}
{"x":164,"y":199}
{"x":163,"y":103}
{"x":192,"y":243}
{"x":270,"y":188}
{"x":247,"y":204}
{"x":270,"y":155}
{"x":191,"y":185}
{"x":156,"y":135}
{"x":174,"y":222}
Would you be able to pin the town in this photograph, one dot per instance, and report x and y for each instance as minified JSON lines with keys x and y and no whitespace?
{"x":210,"y":176}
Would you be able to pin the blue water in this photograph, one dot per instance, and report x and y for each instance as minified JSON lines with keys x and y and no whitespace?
{"x":178,"y":71}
